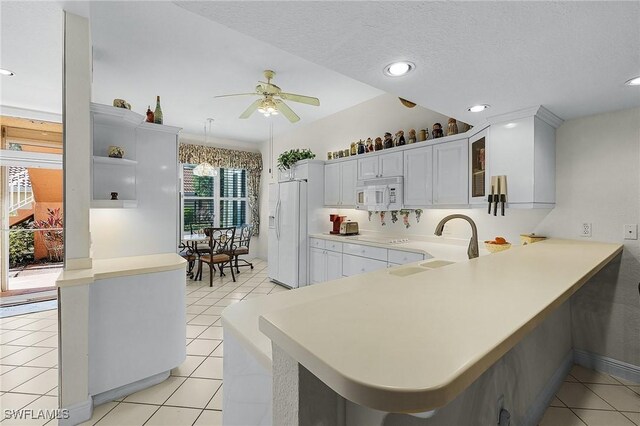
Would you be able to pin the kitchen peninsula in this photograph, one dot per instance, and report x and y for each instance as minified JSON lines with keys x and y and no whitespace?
{"x":448,"y":341}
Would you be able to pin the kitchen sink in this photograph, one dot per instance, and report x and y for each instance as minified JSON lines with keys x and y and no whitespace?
{"x":436,"y":264}
{"x":405,"y":272}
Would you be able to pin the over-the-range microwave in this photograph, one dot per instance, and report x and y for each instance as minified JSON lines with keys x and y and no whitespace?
{"x":383,"y":194}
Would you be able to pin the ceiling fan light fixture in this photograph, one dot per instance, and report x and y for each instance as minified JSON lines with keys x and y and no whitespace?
{"x":635,"y":81}
{"x":397,"y":69}
{"x":478,"y":108}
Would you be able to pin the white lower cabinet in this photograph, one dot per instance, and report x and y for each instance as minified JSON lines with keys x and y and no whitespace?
{"x":354,"y":265}
{"x":331,"y":260}
{"x":324,"y":264}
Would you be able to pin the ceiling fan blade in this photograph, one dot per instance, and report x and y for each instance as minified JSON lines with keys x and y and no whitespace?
{"x":286,"y":111}
{"x":238,"y":94}
{"x":300,"y":98}
{"x":252,"y":108}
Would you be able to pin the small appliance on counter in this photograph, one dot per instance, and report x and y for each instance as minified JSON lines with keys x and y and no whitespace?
{"x":349,"y":228}
{"x":337,"y":221}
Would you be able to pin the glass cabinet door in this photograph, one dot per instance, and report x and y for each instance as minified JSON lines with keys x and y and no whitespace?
{"x":478,"y":168}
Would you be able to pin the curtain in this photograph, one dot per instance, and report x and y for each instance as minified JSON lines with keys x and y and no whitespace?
{"x":232,"y":159}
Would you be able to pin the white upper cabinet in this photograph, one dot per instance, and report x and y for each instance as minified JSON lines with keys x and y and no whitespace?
{"x":391,"y":164}
{"x":418,"y":177}
{"x":521,"y":145}
{"x":348,"y":183}
{"x":450,"y":173}
{"x":479,"y":175}
{"x":340,"y":184}
{"x":332,"y":184}
{"x":368,"y":167}
{"x":382,"y":165}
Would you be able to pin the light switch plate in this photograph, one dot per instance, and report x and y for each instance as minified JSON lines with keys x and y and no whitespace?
{"x":631,"y":231}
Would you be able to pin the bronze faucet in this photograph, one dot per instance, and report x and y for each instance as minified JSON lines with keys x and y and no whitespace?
{"x":473,"y":250}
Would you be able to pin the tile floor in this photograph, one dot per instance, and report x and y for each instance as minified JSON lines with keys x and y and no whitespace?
{"x":193,"y":393}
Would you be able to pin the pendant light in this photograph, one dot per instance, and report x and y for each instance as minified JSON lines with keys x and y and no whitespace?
{"x":206,"y":169}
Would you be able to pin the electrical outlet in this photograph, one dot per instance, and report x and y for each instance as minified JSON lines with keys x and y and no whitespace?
{"x":585,"y":231}
{"x":631,"y":231}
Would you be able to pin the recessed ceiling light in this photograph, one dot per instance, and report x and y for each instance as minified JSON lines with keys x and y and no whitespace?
{"x":6,"y":72}
{"x":396,"y":69}
{"x":510,"y":125}
{"x":477,"y":108}
{"x":635,"y":81}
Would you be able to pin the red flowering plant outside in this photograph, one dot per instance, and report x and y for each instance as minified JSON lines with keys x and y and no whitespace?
{"x":51,"y":231}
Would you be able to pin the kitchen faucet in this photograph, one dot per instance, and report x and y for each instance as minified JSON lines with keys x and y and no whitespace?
{"x":473,"y":251}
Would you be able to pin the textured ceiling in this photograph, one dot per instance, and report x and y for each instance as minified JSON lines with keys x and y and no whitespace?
{"x":144,"y":49}
{"x":572,"y":57}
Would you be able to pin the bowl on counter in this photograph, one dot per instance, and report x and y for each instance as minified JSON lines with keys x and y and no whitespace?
{"x":495,"y":248}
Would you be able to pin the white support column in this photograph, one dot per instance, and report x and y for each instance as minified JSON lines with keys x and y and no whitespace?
{"x":77,"y":140}
{"x":73,"y":302}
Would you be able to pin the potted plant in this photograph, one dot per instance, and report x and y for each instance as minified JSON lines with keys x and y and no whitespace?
{"x":289,"y":158}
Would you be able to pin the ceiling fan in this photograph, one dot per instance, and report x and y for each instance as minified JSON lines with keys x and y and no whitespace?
{"x":271,"y":101}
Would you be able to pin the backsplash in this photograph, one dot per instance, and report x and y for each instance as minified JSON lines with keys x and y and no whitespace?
{"x":515,"y":222}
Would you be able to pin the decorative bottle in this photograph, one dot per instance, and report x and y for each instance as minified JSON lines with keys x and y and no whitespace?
{"x":149,"y":115}
{"x":157,"y":114}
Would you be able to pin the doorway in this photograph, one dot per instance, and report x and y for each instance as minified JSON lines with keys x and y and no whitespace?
{"x":31,"y":185}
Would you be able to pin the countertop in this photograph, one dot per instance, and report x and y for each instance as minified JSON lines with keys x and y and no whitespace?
{"x":120,"y":267}
{"x":453,"y":250}
{"x":412,"y":344}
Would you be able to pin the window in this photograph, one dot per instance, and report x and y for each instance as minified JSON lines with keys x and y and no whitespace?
{"x":219,"y":201}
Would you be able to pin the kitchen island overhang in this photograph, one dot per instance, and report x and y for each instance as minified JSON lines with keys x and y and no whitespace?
{"x":472,"y":312}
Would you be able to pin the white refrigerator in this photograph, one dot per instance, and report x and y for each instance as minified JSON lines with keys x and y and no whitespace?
{"x":287,"y":254}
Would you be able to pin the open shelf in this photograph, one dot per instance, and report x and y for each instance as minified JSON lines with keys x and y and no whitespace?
{"x":114,"y":161}
{"x":114,"y":204}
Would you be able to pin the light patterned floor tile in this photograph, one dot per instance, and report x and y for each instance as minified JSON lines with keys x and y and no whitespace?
{"x":174,"y":416}
{"x":40,"y":384}
{"x":18,"y":376}
{"x":620,"y":397}
{"x":24,"y":356}
{"x":194,"y":331}
{"x":16,"y":401}
{"x":202,"y":347}
{"x":577,"y":395}
{"x":213,"y":332}
{"x":603,"y":418}
{"x":209,"y":418}
{"x":51,"y":342}
{"x":50,"y":359}
{"x":218,"y":351}
{"x":188,"y":366}
{"x":586,"y":375}
{"x":156,"y":394}
{"x":557,"y":416}
{"x":125,"y":414}
{"x":33,"y":338}
{"x":555,"y":402}
{"x":634,"y":417}
{"x":99,"y":412}
{"x":216,"y":401}
{"x":204,"y":320}
{"x":194,"y":393}
{"x":211,"y":368}
{"x":11,"y":335}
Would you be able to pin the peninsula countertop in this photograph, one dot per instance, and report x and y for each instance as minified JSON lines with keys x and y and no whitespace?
{"x":413,"y":343}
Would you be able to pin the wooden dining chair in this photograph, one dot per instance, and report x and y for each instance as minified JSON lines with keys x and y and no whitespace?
{"x":242,"y":246}
{"x":221,"y":247}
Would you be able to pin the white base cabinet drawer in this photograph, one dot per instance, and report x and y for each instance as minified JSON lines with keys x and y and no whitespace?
{"x":354,"y":265}
{"x":316,"y":243}
{"x":402,"y":257}
{"x":333,"y":246}
{"x":365,"y":251}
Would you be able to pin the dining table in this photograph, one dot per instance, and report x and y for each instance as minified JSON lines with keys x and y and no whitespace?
{"x":190,"y":249}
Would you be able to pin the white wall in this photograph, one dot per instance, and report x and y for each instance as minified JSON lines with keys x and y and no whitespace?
{"x":598,"y":181}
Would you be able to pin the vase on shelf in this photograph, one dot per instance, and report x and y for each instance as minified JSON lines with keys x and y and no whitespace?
{"x":157,"y":114}
{"x":149,"y":115}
